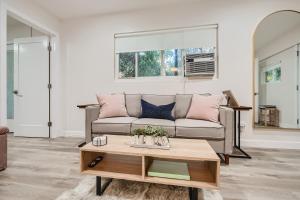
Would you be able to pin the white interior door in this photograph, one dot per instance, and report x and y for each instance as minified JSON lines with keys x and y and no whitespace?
{"x":31,"y":95}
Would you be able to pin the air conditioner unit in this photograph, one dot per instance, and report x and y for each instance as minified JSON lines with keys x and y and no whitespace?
{"x":200,"y":64}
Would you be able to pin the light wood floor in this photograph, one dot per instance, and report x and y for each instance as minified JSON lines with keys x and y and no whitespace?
{"x":43,"y":169}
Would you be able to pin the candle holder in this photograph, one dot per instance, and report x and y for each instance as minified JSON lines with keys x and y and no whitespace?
{"x":99,"y":140}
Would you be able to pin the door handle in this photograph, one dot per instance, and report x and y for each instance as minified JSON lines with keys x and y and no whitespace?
{"x":16,"y":92}
{"x":256,"y":93}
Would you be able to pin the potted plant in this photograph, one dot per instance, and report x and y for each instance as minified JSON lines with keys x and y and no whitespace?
{"x":138,"y":136}
{"x":161,"y":136}
{"x":149,"y":133}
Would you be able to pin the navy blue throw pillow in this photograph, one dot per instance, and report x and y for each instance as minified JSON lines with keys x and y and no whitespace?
{"x":159,"y":112}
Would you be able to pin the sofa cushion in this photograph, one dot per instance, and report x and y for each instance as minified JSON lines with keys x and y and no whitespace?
{"x":160,"y":100}
{"x":115,"y":125}
{"x":192,"y":128}
{"x":168,"y":125}
{"x":183,"y":102}
{"x":133,"y":104}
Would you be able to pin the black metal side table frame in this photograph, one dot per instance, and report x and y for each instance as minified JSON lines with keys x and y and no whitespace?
{"x":237,"y":132}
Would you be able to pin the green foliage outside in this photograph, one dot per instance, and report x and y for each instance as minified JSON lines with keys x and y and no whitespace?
{"x":127,"y":65}
{"x":149,"y":63}
{"x":172,"y":61}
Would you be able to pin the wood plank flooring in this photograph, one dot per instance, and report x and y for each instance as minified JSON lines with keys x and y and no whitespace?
{"x":43,"y":169}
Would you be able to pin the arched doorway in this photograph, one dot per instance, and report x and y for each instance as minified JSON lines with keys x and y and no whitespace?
{"x":276,"y":74}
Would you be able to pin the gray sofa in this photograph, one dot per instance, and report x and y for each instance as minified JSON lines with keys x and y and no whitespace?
{"x":219,"y":135}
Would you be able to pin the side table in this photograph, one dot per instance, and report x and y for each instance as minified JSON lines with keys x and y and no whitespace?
{"x":237,"y":132}
{"x":83,"y":106}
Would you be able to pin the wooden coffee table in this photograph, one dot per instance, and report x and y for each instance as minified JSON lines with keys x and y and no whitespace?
{"x":120,"y":161}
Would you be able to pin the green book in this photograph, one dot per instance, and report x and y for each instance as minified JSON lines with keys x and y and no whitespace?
{"x":169,"y":169}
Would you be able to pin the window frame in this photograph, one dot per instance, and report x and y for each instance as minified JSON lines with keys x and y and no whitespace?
{"x":180,"y":75}
{"x":162,"y":62}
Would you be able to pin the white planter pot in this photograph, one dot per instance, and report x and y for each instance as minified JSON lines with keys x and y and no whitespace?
{"x":135,"y":139}
{"x":140,"y":139}
{"x":150,"y":140}
{"x":165,"y":141}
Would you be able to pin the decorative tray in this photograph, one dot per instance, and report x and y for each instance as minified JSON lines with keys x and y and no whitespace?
{"x":148,"y":146}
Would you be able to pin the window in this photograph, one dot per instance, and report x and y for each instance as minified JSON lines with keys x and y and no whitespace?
{"x":172,"y":62}
{"x":160,"y":53}
{"x":273,"y":75}
{"x":149,"y":63}
{"x":127,"y":65}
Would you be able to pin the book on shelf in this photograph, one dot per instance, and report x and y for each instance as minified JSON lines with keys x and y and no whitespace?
{"x":169,"y":169}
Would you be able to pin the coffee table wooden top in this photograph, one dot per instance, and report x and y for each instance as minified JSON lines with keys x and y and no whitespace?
{"x":185,"y":149}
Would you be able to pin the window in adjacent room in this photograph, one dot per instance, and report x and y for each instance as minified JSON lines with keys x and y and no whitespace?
{"x":273,"y":74}
{"x":160,"y":53}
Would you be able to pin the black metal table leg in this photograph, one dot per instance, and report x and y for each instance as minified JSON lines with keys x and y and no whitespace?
{"x":99,"y":188}
{"x":234,"y":128}
{"x":239,"y":129}
{"x":237,"y":138}
{"x":193,"y":193}
{"x":81,"y":144}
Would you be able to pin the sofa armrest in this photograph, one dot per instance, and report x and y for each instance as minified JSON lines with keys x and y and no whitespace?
{"x":91,"y":114}
{"x":227,"y":120}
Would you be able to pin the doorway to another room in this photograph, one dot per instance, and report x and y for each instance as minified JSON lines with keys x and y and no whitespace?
{"x":277,"y":71}
{"x":28,"y":80}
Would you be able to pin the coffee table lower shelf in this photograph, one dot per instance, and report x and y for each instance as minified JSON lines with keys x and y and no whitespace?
{"x":203,"y":173}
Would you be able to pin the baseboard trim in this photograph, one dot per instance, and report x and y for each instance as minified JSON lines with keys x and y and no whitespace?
{"x":270,"y":144}
{"x":70,"y":133}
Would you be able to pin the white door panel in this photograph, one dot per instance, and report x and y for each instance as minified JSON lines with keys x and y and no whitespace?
{"x":31,"y":81}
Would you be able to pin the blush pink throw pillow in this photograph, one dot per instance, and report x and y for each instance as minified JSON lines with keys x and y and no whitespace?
{"x":205,"y":107}
{"x":112,"y":105}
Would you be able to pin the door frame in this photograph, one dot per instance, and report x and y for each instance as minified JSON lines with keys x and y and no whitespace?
{"x":54,"y":71}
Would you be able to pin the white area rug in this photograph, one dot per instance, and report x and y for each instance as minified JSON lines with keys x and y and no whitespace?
{"x":129,"y":190}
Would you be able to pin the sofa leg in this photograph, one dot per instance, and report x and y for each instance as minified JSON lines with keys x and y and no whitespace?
{"x":226,"y":156}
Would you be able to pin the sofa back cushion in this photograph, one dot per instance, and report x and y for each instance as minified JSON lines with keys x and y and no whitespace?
{"x":160,"y":100}
{"x":133,"y":104}
{"x":183,"y":103}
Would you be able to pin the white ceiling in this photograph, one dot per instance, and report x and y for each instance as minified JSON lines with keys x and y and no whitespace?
{"x":66,"y":9}
{"x":274,"y":26}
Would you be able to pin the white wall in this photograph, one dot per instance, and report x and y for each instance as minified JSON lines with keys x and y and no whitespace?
{"x":88,"y":58}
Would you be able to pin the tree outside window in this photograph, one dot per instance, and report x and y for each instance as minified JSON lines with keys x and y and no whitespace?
{"x":149,"y":63}
{"x":172,"y":61}
{"x":126,"y":65}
